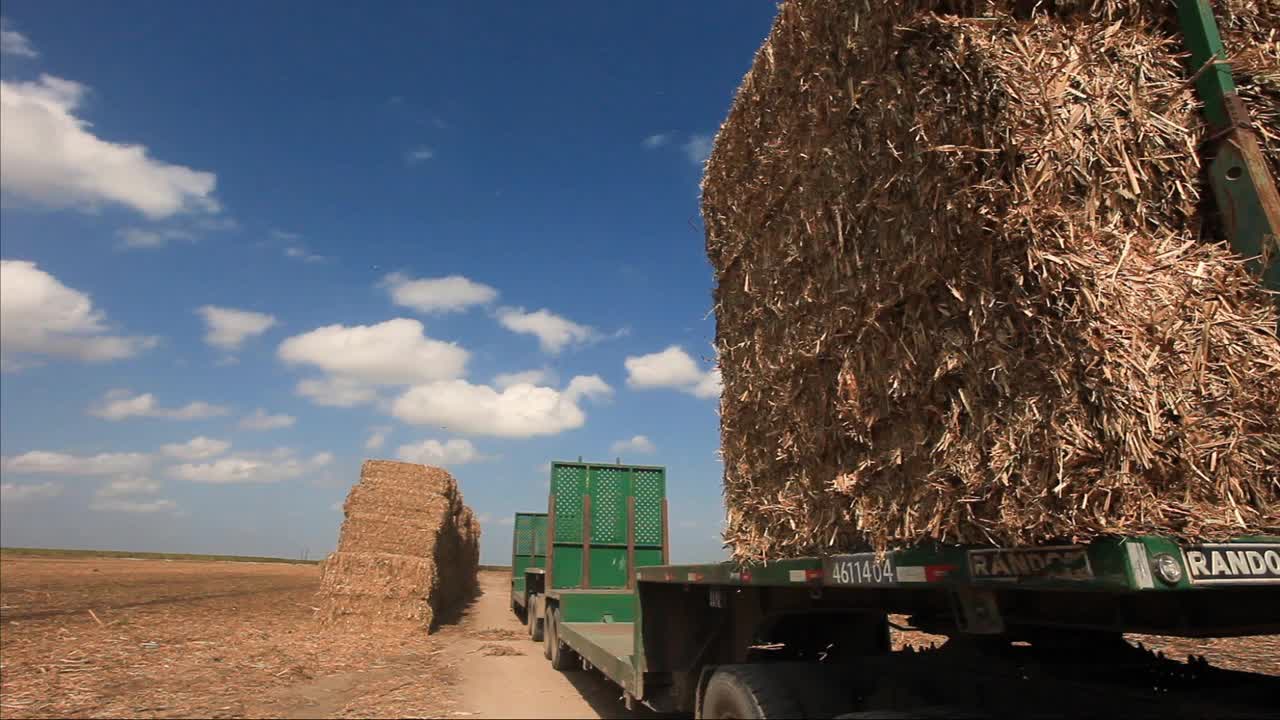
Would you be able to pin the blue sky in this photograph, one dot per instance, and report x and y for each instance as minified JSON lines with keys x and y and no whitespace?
{"x":247,"y":246}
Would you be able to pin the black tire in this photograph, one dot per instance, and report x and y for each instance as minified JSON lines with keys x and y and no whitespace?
{"x":561,"y":657}
{"x":748,"y":691}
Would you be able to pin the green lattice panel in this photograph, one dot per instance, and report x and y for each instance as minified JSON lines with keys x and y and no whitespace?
{"x":539,"y":527}
{"x":524,"y":535}
{"x":610,"y":487}
{"x":568,"y":485}
{"x":650,"y":489}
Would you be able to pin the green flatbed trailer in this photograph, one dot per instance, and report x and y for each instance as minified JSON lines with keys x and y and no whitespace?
{"x":1030,"y":632}
{"x":528,"y":558}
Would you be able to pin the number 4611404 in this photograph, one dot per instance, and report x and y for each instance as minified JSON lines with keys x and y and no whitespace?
{"x":863,"y":571}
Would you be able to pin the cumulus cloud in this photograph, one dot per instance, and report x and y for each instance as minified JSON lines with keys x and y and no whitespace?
{"x":337,"y":391}
{"x":110,"y":504}
{"x":197,"y":448}
{"x":133,"y":238}
{"x":13,"y":42}
{"x":228,"y":328}
{"x":395,"y":352}
{"x":516,"y":411}
{"x":657,"y":140}
{"x":270,"y":467}
{"x":672,"y":368}
{"x":540,"y":376}
{"x":554,"y":332}
{"x":39,"y":316}
{"x":122,"y":404}
{"x":260,"y":419}
{"x":56,"y":463}
{"x":637,"y":445}
{"x":137,"y":485}
{"x":377,"y":437}
{"x":452,"y":293}
{"x":15,"y":492}
{"x":433,"y":452}
{"x":419,"y":155}
{"x":51,"y":158}
{"x":698,"y":149}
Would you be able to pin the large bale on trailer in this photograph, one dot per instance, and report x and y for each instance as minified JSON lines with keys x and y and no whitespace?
{"x":408,"y":549}
{"x":967,"y":289}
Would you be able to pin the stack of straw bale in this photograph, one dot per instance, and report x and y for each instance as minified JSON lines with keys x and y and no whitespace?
{"x":969,"y":287}
{"x":408,"y":550}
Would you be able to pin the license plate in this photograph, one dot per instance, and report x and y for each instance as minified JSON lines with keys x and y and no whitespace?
{"x":860,"y":569}
{"x":1233,"y":563}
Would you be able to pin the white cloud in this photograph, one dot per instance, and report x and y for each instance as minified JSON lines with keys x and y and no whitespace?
{"x":698,"y":149}
{"x":554,"y":333}
{"x":540,"y":376}
{"x":377,"y":437}
{"x":121,"y":404}
{"x":13,"y":492}
{"x":433,"y":452}
{"x":269,"y":467}
{"x":437,"y":295}
{"x":41,"y":316}
{"x":484,"y":518}
{"x":337,"y":392}
{"x":395,"y":352}
{"x":228,"y":328}
{"x":517,"y":411}
{"x":132,"y":506}
{"x":656,"y":141}
{"x":136,"y":485}
{"x":507,"y":520}
{"x":672,"y":368}
{"x":638,"y":445}
{"x":419,"y":155}
{"x":56,"y":463}
{"x":13,"y":42}
{"x":336,"y":506}
{"x":51,"y":158}
{"x":197,"y":448}
{"x":261,"y":420}
{"x":279,"y":234}
{"x":298,"y":252}
{"x":148,"y":239}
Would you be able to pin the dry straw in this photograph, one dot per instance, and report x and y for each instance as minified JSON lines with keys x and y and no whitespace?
{"x":408,"y":548}
{"x":967,"y":288}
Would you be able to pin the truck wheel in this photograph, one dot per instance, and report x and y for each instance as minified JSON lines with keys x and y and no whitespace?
{"x":747,"y":691}
{"x":561,"y":657}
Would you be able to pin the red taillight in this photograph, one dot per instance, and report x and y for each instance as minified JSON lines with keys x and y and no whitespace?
{"x":813,"y":575}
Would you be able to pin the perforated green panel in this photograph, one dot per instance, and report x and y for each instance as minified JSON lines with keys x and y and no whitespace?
{"x":524,"y":534}
{"x":610,"y":487}
{"x":539,"y":529}
{"x":651,"y":488}
{"x":568,"y":485}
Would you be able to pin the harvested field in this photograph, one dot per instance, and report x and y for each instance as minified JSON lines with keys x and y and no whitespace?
{"x":151,"y":638}
{"x":408,"y":550}
{"x":966,"y":286}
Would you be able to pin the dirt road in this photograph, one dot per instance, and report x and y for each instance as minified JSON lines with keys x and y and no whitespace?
{"x":519,"y":686}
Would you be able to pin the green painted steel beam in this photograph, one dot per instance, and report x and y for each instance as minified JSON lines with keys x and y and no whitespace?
{"x":1200,"y":32}
{"x":1243,"y":188}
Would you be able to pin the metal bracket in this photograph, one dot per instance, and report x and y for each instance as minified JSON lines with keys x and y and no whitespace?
{"x":976,"y":611}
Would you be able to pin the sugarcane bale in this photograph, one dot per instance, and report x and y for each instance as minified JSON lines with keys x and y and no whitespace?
{"x":408,"y":548}
{"x":966,"y":288}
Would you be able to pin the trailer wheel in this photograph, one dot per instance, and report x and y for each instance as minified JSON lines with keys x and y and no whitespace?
{"x":748,"y":691}
{"x":561,"y":657}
